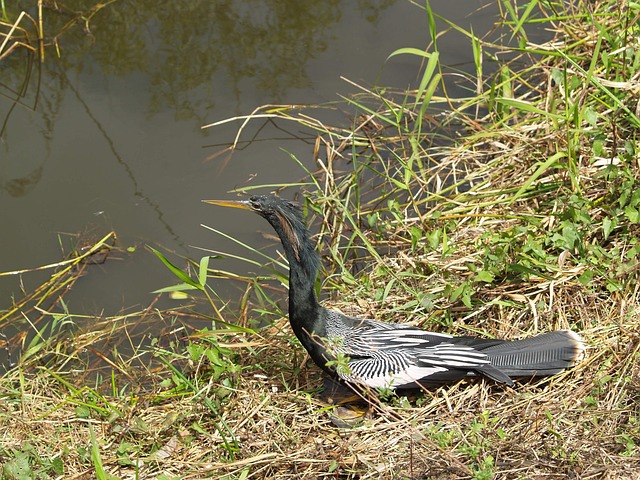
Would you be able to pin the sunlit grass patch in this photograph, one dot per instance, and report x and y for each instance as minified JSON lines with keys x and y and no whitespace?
{"x":525,"y":221}
{"x":74,"y":386}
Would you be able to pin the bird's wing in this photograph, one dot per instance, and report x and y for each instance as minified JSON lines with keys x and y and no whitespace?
{"x":425,"y":347}
{"x":369,"y":338}
{"x":392,"y":355}
{"x":391,"y":370}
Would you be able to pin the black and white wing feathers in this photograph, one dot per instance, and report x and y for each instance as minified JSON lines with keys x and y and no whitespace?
{"x":393,"y":355}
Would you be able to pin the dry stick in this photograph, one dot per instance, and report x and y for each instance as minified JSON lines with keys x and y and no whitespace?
{"x":13,"y":28}
{"x":40,"y":32}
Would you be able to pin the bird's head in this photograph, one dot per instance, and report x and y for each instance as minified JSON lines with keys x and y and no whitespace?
{"x":284,"y":216}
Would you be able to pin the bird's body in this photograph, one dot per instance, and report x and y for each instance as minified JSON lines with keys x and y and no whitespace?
{"x":391,"y":355}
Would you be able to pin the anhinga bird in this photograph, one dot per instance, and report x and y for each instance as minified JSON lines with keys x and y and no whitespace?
{"x":391,"y":355}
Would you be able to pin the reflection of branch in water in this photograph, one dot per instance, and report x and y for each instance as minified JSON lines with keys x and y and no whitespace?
{"x":228,"y":150}
{"x":136,"y":189}
{"x":242,"y":144}
{"x":19,"y":186}
{"x":17,"y":95}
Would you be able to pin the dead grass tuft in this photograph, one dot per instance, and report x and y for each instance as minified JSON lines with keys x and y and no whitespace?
{"x":570,"y":426}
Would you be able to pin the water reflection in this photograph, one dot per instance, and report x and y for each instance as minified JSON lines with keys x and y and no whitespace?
{"x":189,"y":53}
{"x":105,"y":134}
{"x":214,"y":47}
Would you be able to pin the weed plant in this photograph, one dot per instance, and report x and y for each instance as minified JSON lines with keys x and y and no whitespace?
{"x":508,"y":212}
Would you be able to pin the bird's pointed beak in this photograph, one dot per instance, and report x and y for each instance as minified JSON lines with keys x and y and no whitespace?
{"x":243,"y":204}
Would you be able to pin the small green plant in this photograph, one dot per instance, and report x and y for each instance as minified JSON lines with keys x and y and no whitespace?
{"x":476,"y":442}
{"x":26,"y":463}
{"x":340,"y":364}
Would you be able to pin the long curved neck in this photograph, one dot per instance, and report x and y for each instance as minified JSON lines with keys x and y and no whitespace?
{"x":304,"y":263}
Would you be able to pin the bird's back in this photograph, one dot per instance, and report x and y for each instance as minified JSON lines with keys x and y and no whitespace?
{"x":392,"y":355}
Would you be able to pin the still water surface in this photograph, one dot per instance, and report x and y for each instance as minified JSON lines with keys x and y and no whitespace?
{"x":115,"y":138}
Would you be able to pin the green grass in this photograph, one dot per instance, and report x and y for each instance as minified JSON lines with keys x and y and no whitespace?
{"x":517,"y":212}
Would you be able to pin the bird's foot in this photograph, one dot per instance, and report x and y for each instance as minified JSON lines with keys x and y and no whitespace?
{"x":350,"y":408}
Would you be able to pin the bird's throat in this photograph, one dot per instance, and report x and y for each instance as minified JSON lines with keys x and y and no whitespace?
{"x":304,"y":309}
{"x":304,"y":263}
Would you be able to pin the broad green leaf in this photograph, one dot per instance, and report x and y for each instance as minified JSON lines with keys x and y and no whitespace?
{"x":526,"y":107}
{"x":607,"y":226}
{"x":180,"y":287}
{"x":176,"y":271}
{"x":632,"y":214}
{"x":484,"y":276}
{"x":539,"y":171}
{"x":202,"y":273}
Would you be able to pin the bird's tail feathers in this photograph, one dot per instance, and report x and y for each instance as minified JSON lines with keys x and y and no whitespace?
{"x":545,"y":354}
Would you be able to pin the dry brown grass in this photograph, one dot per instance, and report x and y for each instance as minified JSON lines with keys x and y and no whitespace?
{"x":566,"y":427}
{"x":575,"y":425}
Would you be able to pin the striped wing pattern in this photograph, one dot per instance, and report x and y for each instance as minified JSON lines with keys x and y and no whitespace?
{"x":391,"y":355}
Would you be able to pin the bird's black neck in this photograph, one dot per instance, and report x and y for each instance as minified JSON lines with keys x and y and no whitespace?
{"x":304,"y":263}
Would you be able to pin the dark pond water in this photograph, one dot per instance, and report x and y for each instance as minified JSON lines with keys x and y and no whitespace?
{"x":108,"y":134}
